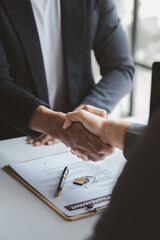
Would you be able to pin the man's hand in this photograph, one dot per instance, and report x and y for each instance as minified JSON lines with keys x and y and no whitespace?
{"x":42,"y":139}
{"x":91,"y":126}
{"x":97,"y":111}
{"x":91,"y":122}
{"x":110,"y":132}
{"x":77,"y":137}
{"x":85,"y":143}
{"x":48,"y":140}
{"x":45,"y":138}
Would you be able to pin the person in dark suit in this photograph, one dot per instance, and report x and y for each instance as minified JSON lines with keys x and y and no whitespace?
{"x":134,"y":210}
{"x":24,"y":86}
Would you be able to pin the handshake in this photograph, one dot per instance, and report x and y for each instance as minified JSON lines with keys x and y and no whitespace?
{"x":86,"y":131}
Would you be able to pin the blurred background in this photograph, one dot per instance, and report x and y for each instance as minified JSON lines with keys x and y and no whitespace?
{"x":141,"y":22}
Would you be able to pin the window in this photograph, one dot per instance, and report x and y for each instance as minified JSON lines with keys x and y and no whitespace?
{"x":141,"y":21}
{"x":147,"y":45}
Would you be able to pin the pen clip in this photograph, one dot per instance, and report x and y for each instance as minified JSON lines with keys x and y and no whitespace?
{"x":99,"y":209}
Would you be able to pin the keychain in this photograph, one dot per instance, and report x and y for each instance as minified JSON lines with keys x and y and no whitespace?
{"x":80,"y":181}
{"x":87,"y":179}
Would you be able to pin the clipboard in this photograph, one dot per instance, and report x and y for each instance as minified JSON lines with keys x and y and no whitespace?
{"x":90,"y":211}
{"x":11,"y":172}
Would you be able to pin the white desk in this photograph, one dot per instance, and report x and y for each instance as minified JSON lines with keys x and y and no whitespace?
{"x":25,"y":217}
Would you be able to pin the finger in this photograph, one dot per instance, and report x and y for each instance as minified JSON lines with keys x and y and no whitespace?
{"x":85,"y":157}
{"x":67,"y":123}
{"x":98,"y":156}
{"x":99,"y":153}
{"x":97,"y":145}
{"x":75,"y":117}
{"x":67,"y":145}
{"x":81,"y":106}
{"x":97,"y":111}
{"x":52,"y":141}
{"x":30,"y":140}
{"x":72,"y":151}
{"x":34,"y":140}
{"x":88,"y":153}
{"x":91,"y":122}
{"x":42,"y":139}
{"x":103,"y":158}
{"x":77,"y":154}
{"x":86,"y":142}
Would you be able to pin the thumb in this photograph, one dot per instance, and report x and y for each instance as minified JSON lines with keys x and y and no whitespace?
{"x":72,"y":117}
{"x":67,"y":123}
{"x":91,"y":122}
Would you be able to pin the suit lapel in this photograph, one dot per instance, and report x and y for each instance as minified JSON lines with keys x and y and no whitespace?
{"x":21,"y":16}
{"x":73,"y":28}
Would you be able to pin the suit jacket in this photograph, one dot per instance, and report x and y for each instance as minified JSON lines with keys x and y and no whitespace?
{"x":136,"y":130}
{"x":132,"y":135}
{"x":86,"y":25}
{"x":134,"y":210}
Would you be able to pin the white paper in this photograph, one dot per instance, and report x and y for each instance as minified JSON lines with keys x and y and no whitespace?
{"x":44,"y":175}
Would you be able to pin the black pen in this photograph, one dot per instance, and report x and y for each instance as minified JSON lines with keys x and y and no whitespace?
{"x":63,"y":178}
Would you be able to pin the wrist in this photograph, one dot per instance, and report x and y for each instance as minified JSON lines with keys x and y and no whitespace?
{"x":115,"y":132}
{"x":46,"y":121}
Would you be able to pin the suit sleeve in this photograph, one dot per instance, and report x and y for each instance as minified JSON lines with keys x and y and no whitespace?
{"x":16,"y":104}
{"x":114,"y":58}
{"x":133,"y":133}
{"x":134,"y":210}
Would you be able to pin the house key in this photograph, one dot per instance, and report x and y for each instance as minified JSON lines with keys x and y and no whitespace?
{"x":90,"y":180}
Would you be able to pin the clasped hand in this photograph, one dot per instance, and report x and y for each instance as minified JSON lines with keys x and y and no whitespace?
{"x":93,"y":120}
{"x":83,"y":136}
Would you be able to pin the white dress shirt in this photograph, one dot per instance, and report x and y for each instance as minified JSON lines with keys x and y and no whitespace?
{"x":47,"y":14}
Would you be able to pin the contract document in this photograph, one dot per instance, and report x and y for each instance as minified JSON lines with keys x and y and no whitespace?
{"x":44,"y":174}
